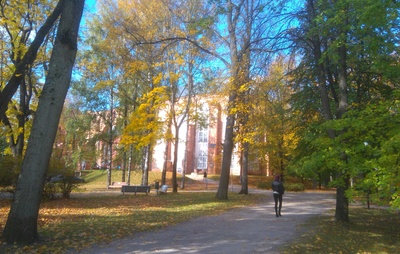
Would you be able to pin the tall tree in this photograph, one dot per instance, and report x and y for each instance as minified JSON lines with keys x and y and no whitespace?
{"x":109,"y":70}
{"x":140,"y":63}
{"x":146,"y":126}
{"x":250,"y":25}
{"x":167,"y":59}
{"x":21,"y":224}
{"x":185,"y":61}
{"x":334,"y":31}
{"x":271,"y":121}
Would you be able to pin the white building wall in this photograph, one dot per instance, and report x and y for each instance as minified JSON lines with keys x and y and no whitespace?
{"x":159,"y":149}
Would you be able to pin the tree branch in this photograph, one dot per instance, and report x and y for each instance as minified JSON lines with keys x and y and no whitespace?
{"x":12,"y":86}
{"x":193,"y":42}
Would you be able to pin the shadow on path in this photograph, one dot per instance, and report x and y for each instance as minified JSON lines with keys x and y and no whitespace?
{"x":253,"y":229}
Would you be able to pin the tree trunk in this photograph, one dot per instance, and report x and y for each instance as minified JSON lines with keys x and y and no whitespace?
{"x":166,"y":153}
{"x":343,"y":100}
{"x":223,"y":186}
{"x":111,"y":140}
{"x":185,"y":161}
{"x":165,"y":165}
{"x":130,"y":163}
{"x":125,"y":155}
{"x":108,"y":165}
{"x":23,"y":108}
{"x":320,"y":69}
{"x":175,"y":164}
{"x":124,"y":164}
{"x":148,"y":165}
{"x":21,"y":225}
{"x":342,"y":203}
{"x":341,"y":213}
{"x":148,"y":154}
{"x":245,"y":169}
{"x":143,"y":162}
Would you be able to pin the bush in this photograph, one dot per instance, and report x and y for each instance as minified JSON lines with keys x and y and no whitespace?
{"x":50,"y":190}
{"x":264,"y":185}
{"x":294,"y":187}
{"x":9,"y":170}
{"x":61,"y":179}
{"x":61,"y":184}
{"x":290,"y":185}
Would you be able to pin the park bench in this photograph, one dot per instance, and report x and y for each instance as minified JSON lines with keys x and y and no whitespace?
{"x":135,"y":189}
{"x":117,"y":185}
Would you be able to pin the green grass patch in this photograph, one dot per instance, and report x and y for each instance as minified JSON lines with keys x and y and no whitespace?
{"x":294,"y":187}
{"x":369,"y":231}
{"x":96,"y":180}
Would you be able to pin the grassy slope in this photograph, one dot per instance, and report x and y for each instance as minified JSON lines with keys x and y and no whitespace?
{"x":96,"y":180}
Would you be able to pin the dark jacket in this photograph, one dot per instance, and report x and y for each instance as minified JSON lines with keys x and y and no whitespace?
{"x":277,"y":186}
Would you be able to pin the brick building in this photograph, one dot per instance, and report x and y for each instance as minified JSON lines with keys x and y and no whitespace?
{"x":200,"y":145}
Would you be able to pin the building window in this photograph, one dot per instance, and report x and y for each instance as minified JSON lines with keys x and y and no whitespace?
{"x":203,"y":136}
{"x":202,"y":160}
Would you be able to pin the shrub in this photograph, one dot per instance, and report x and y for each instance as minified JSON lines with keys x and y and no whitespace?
{"x":291,"y":184}
{"x":9,"y":170}
{"x":264,"y":185}
{"x":50,"y":190}
{"x":61,"y":184}
{"x":61,"y":179}
{"x":294,"y":187}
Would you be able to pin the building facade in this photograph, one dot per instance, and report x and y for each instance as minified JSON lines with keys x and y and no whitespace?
{"x":200,"y":145}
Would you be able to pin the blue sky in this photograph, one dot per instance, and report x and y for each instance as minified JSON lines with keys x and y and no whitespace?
{"x":90,"y":6}
{"x":90,"y":3}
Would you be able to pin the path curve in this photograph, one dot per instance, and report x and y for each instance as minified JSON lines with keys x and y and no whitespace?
{"x":253,"y":229}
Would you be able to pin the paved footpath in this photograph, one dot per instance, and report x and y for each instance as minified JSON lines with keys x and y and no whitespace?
{"x":249,"y":230}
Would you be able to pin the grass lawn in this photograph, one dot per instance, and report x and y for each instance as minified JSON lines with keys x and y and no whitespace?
{"x":80,"y":222}
{"x":94,"y":215}
{"x":369,"y":231}
{"x":97,"y":179}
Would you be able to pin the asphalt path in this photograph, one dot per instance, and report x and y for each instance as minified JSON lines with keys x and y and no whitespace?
{"x":253,"y":229}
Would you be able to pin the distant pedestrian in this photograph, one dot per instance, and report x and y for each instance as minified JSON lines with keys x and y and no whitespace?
{"x":278,"y":190}
{"x":205,"y":176}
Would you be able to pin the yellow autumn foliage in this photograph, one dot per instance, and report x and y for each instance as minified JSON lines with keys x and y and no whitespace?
{"x":146,"y":125}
